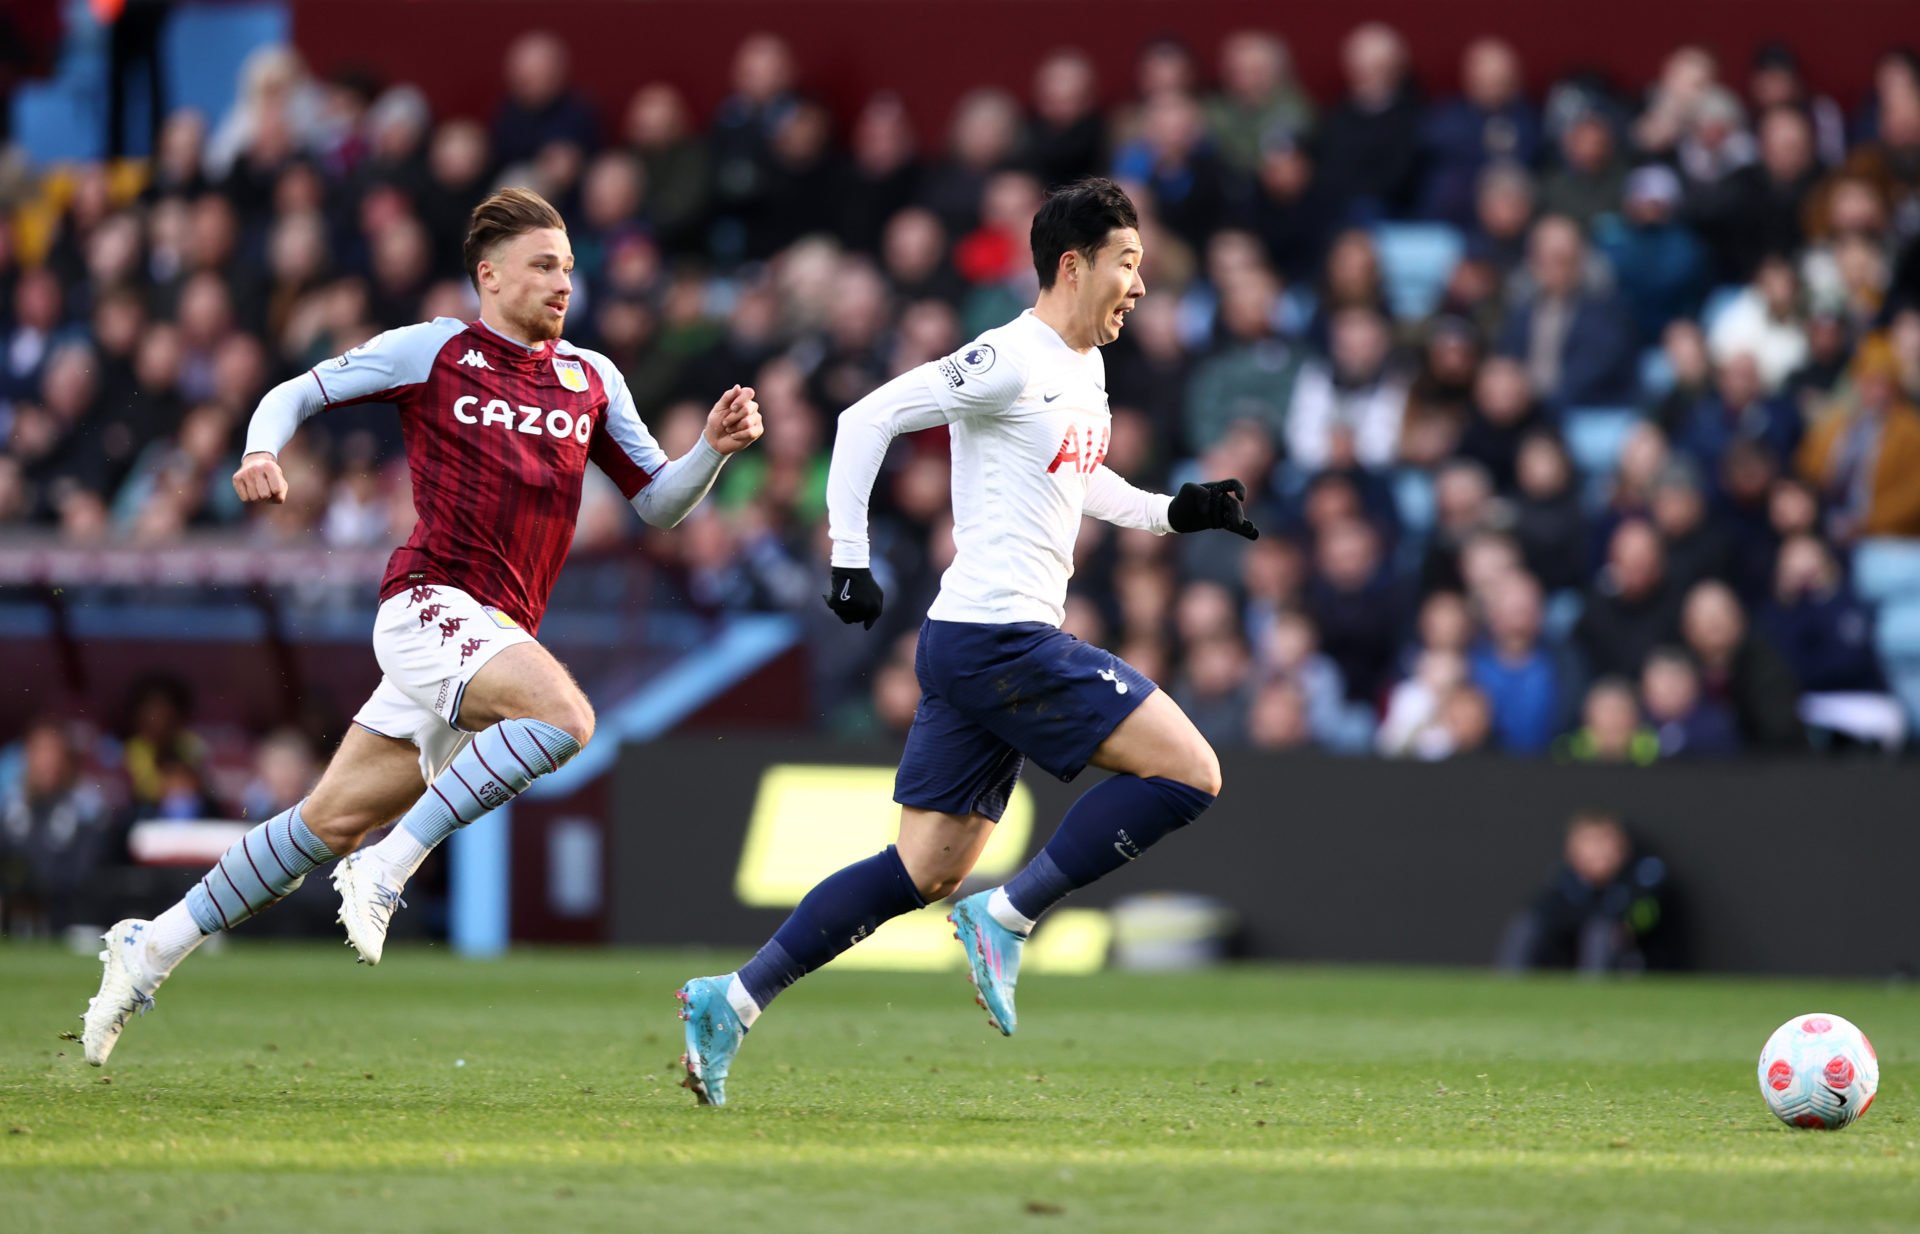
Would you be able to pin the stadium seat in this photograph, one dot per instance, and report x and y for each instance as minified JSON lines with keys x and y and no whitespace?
{"x":1886,"y":569}
{"x":1718,"y":301}
{"x":1413,"y":498}
{"x":1595,"y":436}
{"x":1897,"y":632}
{"x":205,"y":45}
{"x":1416,"y":260}
{"x":1656,"y":372}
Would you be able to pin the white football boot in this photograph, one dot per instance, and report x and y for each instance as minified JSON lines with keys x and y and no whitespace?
{"x":367,"y":904}
{"x":126,"y":986}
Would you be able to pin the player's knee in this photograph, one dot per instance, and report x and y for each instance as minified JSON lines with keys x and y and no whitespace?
{"x":936,"y":887}
{"x":340,"y":829}
{"x":574,"y":715}
{"x":1203,"y":770}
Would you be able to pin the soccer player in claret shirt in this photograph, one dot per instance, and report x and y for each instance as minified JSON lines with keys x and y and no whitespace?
{"x":1000,"y":682}
{"x":500,"y":417}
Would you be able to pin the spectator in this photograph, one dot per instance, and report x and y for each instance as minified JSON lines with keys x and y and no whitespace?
{"x":1288,"y":646}
{"x":1864,"y":458}
{"x":1213,"y":687}
{"x":1688,"y":726}
{"x":1413,"y":725}
{"x":1293,"y":211}
{"x":1696,"y":546}
{"x":1463,"y":502}
{"x":1466,"y":724}
{"x":1370,"y":142}
{"x":1502,"y":414}
{"x":740,"y":143}
{"x":1066,"y":140}
{"x":1526,"y":683}
{"x":1610,"y":731}
{"x":1632,"y":607}
{"x":1662,"y":269}
{"x":1689,"y":375}
{"x":675,"y":164}
{"x":1820,"y":627}
{"x":1775,"y":86}
{"x":1277,"y":719}
{"x":1356,"y":390}
{"x":985,"y":132}
{"x":1351,"y":600}
{"x":1491,"y":123}
{"x":1172,"y":160}
{"x":1259,"y":100}
{"x":1688,"y":75}
{"x":1737,"y":410}
{"x":1765,"y":321}
{"x":56,"y":832}
{"x":1504,"y":206}
{"x":1548,"y":521}
{"x":1441,"y":394}
{"x":1742,"y":669}
{"x":1757,"y":211}
{"x":1252,"y":378}
{"x":1591,"y":175}
{"x":1577,"y":342}
{"x":1602,"y":911}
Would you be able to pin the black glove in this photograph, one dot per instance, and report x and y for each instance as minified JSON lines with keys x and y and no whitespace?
{"x":854,"y":596}
{"x":1204,"y":507}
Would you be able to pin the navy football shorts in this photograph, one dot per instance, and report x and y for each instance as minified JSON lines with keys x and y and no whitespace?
{"x":991,"y":694}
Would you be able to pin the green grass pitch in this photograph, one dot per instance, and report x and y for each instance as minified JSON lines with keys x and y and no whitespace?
{"x":283,"y":1088}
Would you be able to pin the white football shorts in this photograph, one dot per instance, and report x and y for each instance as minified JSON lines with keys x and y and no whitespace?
{"x":430,"y":641}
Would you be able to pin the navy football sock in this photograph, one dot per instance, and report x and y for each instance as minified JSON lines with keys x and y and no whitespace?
{"x":1112,"y":823}
{"x":842,"y":909}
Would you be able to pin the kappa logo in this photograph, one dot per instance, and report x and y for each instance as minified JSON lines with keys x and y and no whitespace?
{"x":430,"y":614}
{"x":474,"y":359}
{"x":421,"y":595}
{"x":449,"y":628}
{"x":469,"y":647}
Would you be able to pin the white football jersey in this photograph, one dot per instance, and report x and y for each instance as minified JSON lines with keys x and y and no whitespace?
{"x":1029,"y":424}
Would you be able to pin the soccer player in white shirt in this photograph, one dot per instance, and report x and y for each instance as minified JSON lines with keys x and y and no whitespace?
{"x":1026,"y":407}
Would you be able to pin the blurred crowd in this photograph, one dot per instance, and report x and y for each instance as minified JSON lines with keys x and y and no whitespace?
{"x":1723,"y":261}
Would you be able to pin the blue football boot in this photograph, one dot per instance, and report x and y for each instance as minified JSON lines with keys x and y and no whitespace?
{"x":993,"y":958}
{"x":714,"y":1034}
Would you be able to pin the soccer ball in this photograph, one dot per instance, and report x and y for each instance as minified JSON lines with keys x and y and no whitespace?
{"x":1818,"y":1071}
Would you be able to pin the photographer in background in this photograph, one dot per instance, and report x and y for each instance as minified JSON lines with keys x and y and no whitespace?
{"x":1604,"y":911}
{"x":55,"y":833}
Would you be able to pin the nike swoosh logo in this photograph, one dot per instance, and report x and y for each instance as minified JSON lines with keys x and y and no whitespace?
{"x":1048,"y":398}
{"x":846,"y":590}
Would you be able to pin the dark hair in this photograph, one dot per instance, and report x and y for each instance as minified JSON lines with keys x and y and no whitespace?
{"x":508,"y":213}
{"x":1077,"y":218}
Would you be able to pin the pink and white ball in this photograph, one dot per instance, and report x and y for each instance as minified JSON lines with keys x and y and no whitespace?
{"x":1818,"y":1071}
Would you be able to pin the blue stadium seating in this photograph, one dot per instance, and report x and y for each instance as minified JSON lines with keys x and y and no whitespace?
{"x":1595,"y":436}
{"x":202,"y":48}
{"x":1656,"y":372}
{"x":1897,"y":636}
{"x":1719,"y":300}
{"x":1886,"y":570}
{"x":1416,"y":260}
{"x":1413,"y":498}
